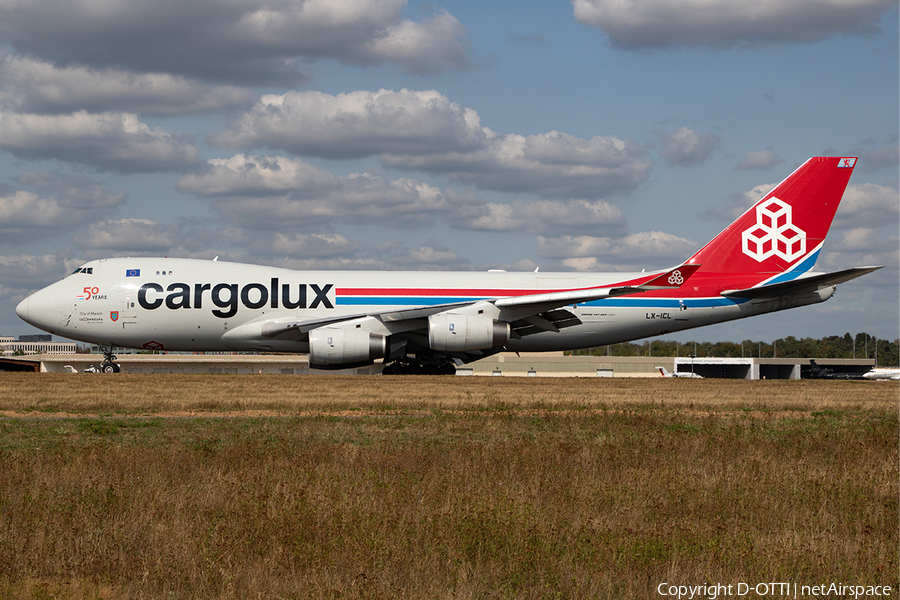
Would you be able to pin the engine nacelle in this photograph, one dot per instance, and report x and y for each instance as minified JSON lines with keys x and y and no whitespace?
{"x":448,"y":332}
{"x":339,"y":346}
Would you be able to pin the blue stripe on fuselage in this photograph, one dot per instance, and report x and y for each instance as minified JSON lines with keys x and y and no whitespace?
{"x":664,"y":302}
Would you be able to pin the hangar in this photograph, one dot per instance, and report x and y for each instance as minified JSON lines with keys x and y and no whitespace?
{"x":768,"y":368}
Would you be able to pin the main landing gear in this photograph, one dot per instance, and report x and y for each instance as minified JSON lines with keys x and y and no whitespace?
{"x":414,"y":367}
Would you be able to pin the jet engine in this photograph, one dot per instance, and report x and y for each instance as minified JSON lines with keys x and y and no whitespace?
{"x":448,"y":332}
{"x":336,"y":347}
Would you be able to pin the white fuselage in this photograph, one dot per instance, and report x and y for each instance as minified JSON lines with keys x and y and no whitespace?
{"x":883,"y":373}
{"x":185,"y":304}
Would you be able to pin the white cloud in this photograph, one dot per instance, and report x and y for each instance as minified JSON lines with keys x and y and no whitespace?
{"x":648,"y":249}
{"x":335,"y":252}
{"x":22,"y":274}
{"x":73,"y":192}
{"x":765,"y":159}
{"x":123,"y":235}
{"x":334,"y":263}
{"x":262,"y":191}
{"x":878,"y":158}
{"x":544,"y":217}
{"x":858,"y":239}
{"x":23,"y":214}
{"x":245,"y":175}
{"x":431,"y":46}
{"x":868,"y":206}
{"x":548,"y":164}
{"x":686,"y":147}
{"x":865,"y":247}
{"x":252,"y":41}
{"x":737,"y":204}
{"x":356,"y":124}
{"x":107,"y":141}
{"x":316,"y":245}
{"x":639,"y":24}
{"x":33,"y":86}
{"x":73,"y":201}
{"x":259,"y":191}
{"x":423,"y":130}
{"x":431,"y":256}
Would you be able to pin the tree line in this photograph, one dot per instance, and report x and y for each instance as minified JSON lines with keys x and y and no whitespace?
{"x":862,"y":345}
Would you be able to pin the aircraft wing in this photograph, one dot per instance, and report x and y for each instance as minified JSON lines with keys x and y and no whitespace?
{"x":278,"y":326}
{"x":803,"y":284}
{"x":674,"y":278}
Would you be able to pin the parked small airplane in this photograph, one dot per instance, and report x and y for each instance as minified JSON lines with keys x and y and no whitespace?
{"x":818,"y":372}
{"x":433,"y":322}
{"x":679,"y":374}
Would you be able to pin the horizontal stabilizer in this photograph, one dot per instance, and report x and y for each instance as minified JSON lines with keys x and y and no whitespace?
{"x":803,"y":284}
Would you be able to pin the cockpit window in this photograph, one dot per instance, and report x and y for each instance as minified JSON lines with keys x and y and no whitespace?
{"x":86,"y":270}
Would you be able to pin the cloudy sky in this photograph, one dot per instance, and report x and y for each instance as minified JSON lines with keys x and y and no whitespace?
{"x":381,"y":134}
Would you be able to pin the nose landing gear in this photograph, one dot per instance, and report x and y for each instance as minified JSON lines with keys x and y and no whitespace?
{"x":108,"y":365}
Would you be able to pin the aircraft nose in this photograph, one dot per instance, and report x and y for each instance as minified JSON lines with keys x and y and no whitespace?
{"x":41,"y":309}
{"x":22,"y":309}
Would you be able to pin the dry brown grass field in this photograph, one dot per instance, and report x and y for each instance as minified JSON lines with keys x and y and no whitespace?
{"x":227,"y":486}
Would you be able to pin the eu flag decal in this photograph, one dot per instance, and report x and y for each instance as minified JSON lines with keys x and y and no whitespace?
{"x":133,"y":273}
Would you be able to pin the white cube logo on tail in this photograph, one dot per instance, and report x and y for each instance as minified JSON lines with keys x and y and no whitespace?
{"x":774,"y":234}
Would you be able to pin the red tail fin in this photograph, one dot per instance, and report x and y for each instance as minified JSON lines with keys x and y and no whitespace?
{"x":784,"y":231}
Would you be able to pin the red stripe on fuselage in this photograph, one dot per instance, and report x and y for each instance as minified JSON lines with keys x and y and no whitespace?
{"x":481,"y":293}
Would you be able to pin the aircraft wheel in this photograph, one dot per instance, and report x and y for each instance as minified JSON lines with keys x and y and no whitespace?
{"x":412,"y":368}
{"x":390,"y":369}
{"x":110,"y":368}
{"x":448,"y":368}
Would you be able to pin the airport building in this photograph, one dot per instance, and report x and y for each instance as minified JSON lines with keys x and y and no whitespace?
{"x":35,"y":344}
{"x":549,"y":364}
{"x":769,"y":368}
